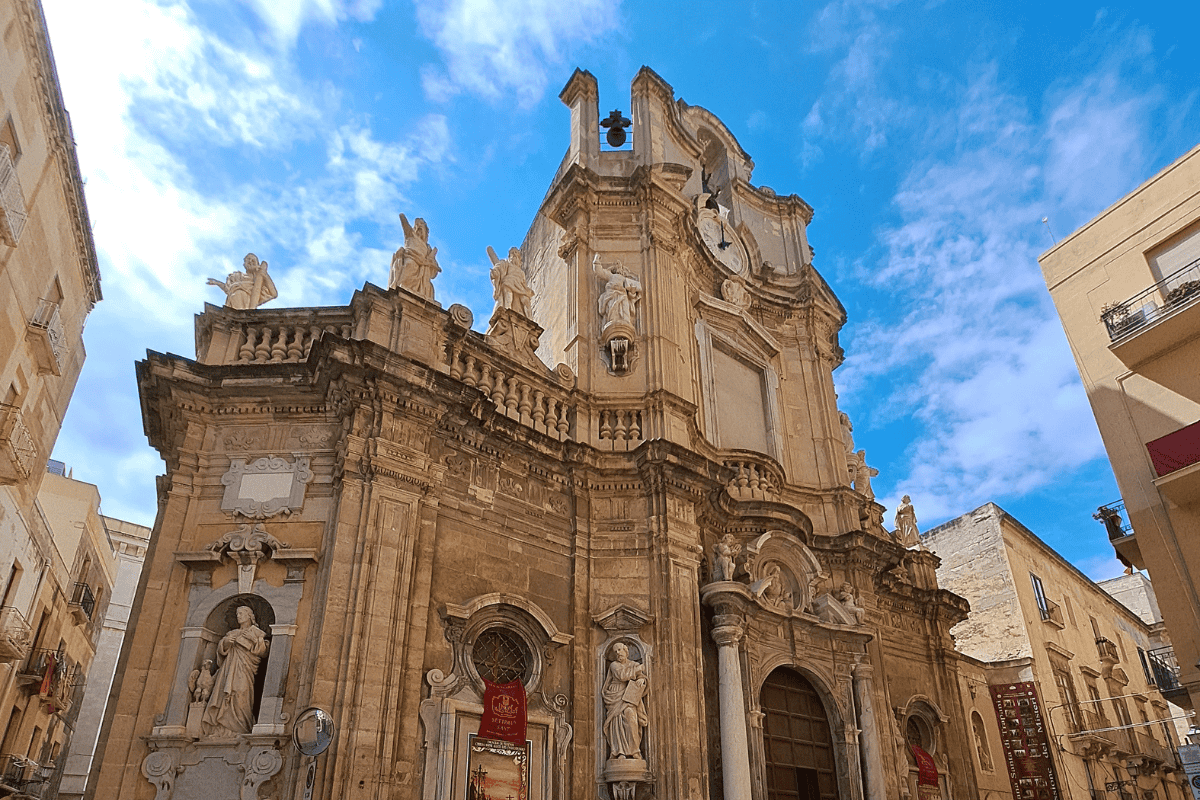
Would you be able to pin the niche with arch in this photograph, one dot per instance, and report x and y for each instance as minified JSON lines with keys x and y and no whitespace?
{"x":223,"y":619}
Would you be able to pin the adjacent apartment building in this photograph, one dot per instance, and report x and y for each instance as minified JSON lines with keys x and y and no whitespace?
{"x":1127,"y":288}
{"x":54,"y":571}
{"x":1074,"y":702}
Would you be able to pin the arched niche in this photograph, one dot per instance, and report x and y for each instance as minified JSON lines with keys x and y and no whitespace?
{"x":223,"y":618}
{"x":799,"y":568}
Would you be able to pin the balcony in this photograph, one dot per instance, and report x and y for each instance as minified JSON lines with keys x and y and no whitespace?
{"x":1120,"y":533}
{"x":1151,"y":749}
{"x":1093,"y":739}
{"x":1176,"y":461}
{"x":18,"y":454}
{"x":83,"y":603}
{"x":1052,"y":613}
{"x":22,"y":776}
{"x":1108,"y":651}
{"x":46,"y":335}
{"x":1165,"y":669}
{"x":12,"y":200}
{"x":48,"y":675}
{"x":1155,"y":319}
{"x":14,"y":636}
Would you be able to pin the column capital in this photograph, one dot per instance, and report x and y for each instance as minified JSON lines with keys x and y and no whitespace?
{"x":728,"y":635}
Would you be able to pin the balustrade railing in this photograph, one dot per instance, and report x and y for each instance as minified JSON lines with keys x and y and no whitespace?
{"x":619,"y":426}
{"x":753,"y":478}
{"x":282,"y":342}
{"x":539,"y":403}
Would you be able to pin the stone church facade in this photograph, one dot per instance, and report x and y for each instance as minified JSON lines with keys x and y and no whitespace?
{"x":634,"y":494}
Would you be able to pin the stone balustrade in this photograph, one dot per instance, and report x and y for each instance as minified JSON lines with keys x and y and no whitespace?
{"x":619,"y":428}
{"x":539,"y":403}
{"x":258,"y":336}
{"x":754,"y":478}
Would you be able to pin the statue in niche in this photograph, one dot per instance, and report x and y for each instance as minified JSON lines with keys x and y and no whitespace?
{"x":508,"y":281}
{"x":724,"y":552}
{"x":845,"y":596}
{"x":414,"y":266}
{"x":772,"y":587}
{"x":200,"y":682}
{"x":624,"y":695}
{"x":230,"y":708}
{"x":906,"y":524}
{"x":619,"y":299}
{"x":249,"y":289}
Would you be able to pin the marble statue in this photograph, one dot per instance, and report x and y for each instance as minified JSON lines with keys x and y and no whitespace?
{"x":906,"y":524}
{"x":845,"y":596}
{"x":249,"y":289}
{"x":724,"y":552}
{"x":230,"y":708}
{"x":771,"y":587}
{"x":619,"y":299}
{"x":414,"y":266}
{"x":863,"y":475}
{"x":847,"y":432}
{"x":200,"y":682}
{"x":508,"y":281}
{"x":624,"y":705}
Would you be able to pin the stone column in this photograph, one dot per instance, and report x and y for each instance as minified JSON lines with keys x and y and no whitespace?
{"x":870,"y":741}
{"x":735,"y":751}
{"x":278,"y":658}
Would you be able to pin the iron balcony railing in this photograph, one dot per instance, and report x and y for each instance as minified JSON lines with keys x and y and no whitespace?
{"x":23,"y":776}
{"x":1115,"y":520}
{"x":1165,"y":668}
{"x":1172,"y":292}
{"x":83,"y":597}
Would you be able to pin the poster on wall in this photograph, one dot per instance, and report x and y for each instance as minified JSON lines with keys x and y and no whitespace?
{"x":497,"y":770}
{"x":1026,"y":742}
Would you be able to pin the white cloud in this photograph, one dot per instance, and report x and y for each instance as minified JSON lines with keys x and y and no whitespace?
{"x":493,"y":47}
{"x":285,"y":18}
{"x":974,"y":354}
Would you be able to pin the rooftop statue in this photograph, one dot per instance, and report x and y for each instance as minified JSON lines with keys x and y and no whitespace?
{"x":906,"y":524}
{"x":249,"y":289}
{"x":508,"y":279}
{"x":414,"y":266}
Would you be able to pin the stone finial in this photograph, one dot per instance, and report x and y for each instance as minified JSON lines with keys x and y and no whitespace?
{"x":907,"y":533}
{"x":414,"y":266}
{"x":508,"y":282}
{"x":248,"y":289}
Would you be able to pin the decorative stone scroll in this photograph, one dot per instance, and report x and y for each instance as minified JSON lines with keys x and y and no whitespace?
{"x":266,"y":486}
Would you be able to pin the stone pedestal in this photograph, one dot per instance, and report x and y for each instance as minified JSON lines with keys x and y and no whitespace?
{"x":195,"y":718}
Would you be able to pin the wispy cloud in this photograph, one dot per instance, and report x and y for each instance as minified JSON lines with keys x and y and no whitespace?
{"x":975,"y":355}
{"x":496,"y":47}
{"x":285,"y":18}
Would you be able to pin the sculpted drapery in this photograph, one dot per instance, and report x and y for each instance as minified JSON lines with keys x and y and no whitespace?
{"x":624,"y":705}
{"x":230,"y":708}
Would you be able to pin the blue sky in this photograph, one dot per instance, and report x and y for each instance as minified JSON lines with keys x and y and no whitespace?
{"x":931,"y":138}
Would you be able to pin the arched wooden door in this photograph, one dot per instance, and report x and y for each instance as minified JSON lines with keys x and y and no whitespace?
{"x":796,"y":740}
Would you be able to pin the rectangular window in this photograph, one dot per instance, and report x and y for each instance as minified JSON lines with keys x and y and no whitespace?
{"x":1146,"y":667}
{"x":1066,"y":690}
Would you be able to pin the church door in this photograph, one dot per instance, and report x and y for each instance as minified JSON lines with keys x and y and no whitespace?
{"x":796,"y":740}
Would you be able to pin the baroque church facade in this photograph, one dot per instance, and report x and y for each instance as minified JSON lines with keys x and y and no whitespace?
{"x":633,"y":498}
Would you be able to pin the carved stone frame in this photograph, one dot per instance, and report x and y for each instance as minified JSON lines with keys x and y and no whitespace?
{"x":239,"y":472}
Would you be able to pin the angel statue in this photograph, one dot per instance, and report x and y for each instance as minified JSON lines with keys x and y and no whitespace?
{"x":508,"y":279}
{"x":249,"y":289}
{"x":414,"y":266}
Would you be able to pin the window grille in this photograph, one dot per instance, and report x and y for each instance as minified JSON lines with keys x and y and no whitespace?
{"x":500,"y":657}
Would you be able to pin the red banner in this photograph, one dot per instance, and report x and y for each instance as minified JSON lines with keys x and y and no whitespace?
{"x":503,"y":712}
{"x":1026,"y":742}
{"x":48,"y":680}
{"x":927,"y":774}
